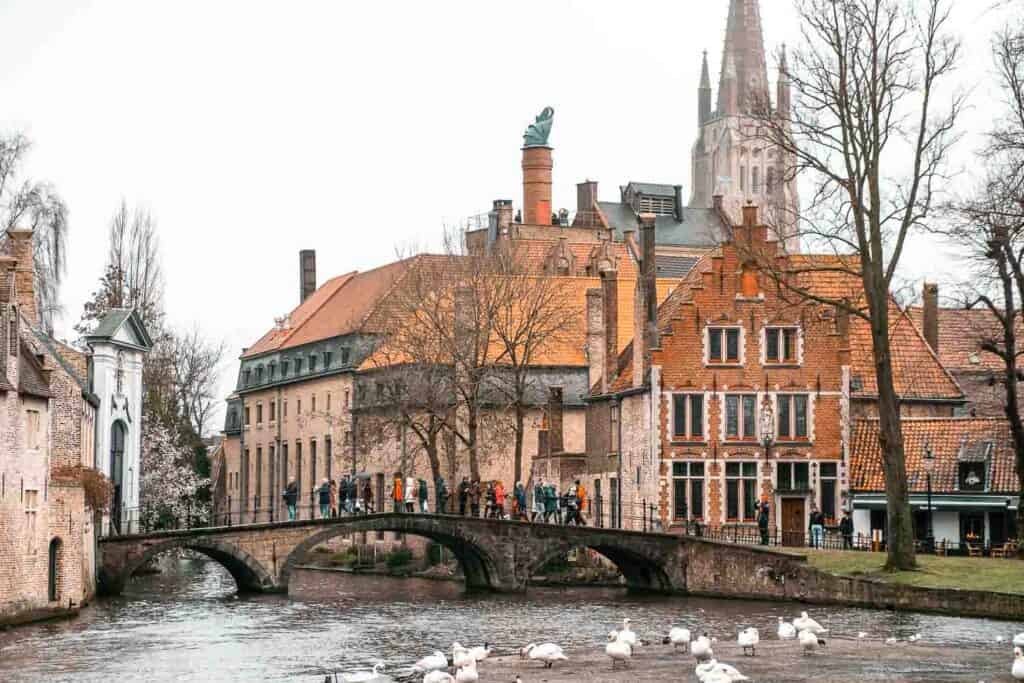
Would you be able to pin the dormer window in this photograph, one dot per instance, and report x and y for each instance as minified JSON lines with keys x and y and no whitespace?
{"x":273,"y":371}
{"x":284,"y":368}
{"x":344,"y":355}
{"x":248,"y":377}
{"x":259,"y":374}
{"x":972,"y":476}
{"x":298,"y":366}
{"x":327,"y":359}
{"x":723,"y":345}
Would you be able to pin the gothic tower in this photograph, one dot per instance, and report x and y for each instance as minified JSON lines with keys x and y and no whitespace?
{"x":728,"y":158}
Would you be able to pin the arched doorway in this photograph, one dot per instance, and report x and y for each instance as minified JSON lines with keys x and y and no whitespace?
{"x":117,"y":439}
{"x":53,"y":575}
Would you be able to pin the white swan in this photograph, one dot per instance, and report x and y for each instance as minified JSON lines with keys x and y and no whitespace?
{"x":862,"y":634}
{"x":891,"y":640}
{"x":701,"y":648}
{"x":433,"y":662}
{"x":627,"y":635}
{"x":914,"y":638}
{"x":786,"y":630}
{"x":619,"y":651}
{"x":480,"y":652}
{"x":461,"y":657}
{"x":713,"y":669}
{"x":374,"y":676}
{"x":1017,"y":671}
{"x":438,"y":677}
{"x":467,"y":674}
{"x":549,"y":653}
{"x":748,"y":639}
{"x":809,"y":641}
{"x":1018,"y":640}
{"x":805,"y":623}
{"x":677,"y":636}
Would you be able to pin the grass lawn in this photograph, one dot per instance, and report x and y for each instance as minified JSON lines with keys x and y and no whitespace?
{"x":965,"y":573}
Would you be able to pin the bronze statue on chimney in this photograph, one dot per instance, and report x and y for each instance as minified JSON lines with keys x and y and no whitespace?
{"x":537,"y":133}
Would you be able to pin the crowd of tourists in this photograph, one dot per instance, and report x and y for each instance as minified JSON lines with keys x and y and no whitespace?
{"x":352,"y":495}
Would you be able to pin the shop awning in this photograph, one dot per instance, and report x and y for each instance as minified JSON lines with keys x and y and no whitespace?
{"x":941,"y":501}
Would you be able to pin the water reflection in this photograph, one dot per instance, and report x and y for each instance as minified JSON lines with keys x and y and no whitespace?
{"x":188,"y":625}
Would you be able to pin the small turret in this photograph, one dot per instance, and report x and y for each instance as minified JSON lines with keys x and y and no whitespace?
{"x":783,"y":98}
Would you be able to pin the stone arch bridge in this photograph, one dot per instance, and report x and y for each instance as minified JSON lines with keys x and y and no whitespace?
{"x":495,"y":555}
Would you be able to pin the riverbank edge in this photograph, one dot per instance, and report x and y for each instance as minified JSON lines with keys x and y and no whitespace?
{"x":38,"y":615}
{"x":723,"y":570}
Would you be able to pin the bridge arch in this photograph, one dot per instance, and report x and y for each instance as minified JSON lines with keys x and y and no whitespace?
{"x":642,"y":572}
{"x":248,"y":573}
{"x":478,"y":566}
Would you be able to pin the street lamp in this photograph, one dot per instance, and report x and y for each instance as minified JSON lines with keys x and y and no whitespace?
{"x":767,"y":439}
{"x":929,"y":466}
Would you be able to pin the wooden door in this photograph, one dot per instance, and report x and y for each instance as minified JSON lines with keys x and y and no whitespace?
{"x":793,"y":525}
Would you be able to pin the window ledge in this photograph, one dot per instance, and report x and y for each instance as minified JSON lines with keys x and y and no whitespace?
{"x":723,"y":365}
{"x":742,"y":442}
{"x":783,"y":365}
{"x":790,"y":443}
{"x":685,"y":442}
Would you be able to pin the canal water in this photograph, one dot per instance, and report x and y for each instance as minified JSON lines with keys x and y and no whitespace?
{"x":187,"y":624}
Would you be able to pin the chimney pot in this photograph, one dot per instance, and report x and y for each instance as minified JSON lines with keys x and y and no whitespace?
{"x":930,"y":315}
{"x":307,"y":274}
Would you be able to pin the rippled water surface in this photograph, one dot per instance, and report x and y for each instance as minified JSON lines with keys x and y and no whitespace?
{"x":187,"y":624}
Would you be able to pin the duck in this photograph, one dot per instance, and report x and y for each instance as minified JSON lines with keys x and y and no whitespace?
{"x":786,"y":630}
{"x":809,"y":641}
{"x":677,"y":636}
{"x":748,"y":639}
{"x":805,"y":623}
{"x":701,"y":648}
{"x":434,"y":662}
{"x":438,"y":677}
{"x":374,"y":676}
{"x":713,"y":670}
{"x":467,"y":674}
{"x":549,"y":653}
{"x":619,"y":651}
{"x":1017,"y":671}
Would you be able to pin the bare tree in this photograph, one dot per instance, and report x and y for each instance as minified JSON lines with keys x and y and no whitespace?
{"x":133,"y":277}
{"x":35,"y":205}
{"x":866,"y":131}
{"x":530,"y":320}
{"x":991,"y":226}
{"x":197,"y":363}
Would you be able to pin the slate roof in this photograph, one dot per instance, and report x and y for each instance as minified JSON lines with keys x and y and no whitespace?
{"x":699,"y":227}
{"x":674,"y":266}
{"x":111,"y":322}
{"x":31,"y":379}
{"x":952,"y":440}
{"x":658,"y":189}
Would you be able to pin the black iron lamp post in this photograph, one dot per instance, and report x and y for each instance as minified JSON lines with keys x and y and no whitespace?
{"x":929,"y":466}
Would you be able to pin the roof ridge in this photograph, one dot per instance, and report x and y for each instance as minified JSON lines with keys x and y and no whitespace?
{"x":920,"y":335}
{"x":293,"y":330}
{"x":412,"y":261}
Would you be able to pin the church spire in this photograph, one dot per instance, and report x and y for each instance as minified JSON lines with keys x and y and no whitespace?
{"x":782,"y":95}
{"x":704,"y":93}
{"x":744,"y":47}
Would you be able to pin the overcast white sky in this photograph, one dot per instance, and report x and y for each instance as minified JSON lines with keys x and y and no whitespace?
{"x":254,"y":129}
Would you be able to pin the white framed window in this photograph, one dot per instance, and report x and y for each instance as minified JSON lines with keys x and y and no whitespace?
{"x":792,"y":417}
{"x":740,"y":417}
{"x":31,"y":500}
{"x":793,"y":477}
{"x":740,"y":491}
{"x":723,"y":345}
{"x":688,"y":417}
{"x":782,"y":345}
{"x":687,"y":490}
{"x":33,"y":428}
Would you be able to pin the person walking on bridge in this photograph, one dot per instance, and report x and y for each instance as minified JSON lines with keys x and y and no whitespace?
{"x":474,"y":498}
{"x":333,"y":498}
{"x":463,"y":496}
{"x":291,"y":498}
{"x":424,"y":507}
{"x":324,"y":493}
{"x":520,"y":496}
{"x":367,"y":497}
{"x":343,"y":492}
{"x":410,"y":493}
{"x":442,"y":495}
{"x":581,"y":503}
{"x":538,"y":499}
{"x":396,"y":492}
{"x":499,"y":500}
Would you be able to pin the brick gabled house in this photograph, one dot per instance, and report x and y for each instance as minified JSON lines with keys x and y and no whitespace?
{"x":731,"y":392}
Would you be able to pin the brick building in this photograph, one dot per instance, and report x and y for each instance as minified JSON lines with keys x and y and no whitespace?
{"x":48,"y":442}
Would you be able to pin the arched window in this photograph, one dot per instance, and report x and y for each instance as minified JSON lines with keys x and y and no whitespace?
{"x":53,"y":577}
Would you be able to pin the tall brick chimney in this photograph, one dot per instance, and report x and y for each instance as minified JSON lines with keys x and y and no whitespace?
{"x":556,"y":443}
{"x":930,"y":315}
{"x":586,"y":197}
{"x":24,"y":284}
{"x":537,"y":165}
{"x":645,"y":328}
{"x":307,"y":273}
{"x":595,"y":337}
{"x":610,"y":294}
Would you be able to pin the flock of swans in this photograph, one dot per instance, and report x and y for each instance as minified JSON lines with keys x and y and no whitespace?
{"x":624,"y":642}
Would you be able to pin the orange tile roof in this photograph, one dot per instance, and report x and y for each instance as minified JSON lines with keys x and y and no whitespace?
{"x":339,"y":306}
{"x":961,"y":332}
{"x":950,"y":438}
